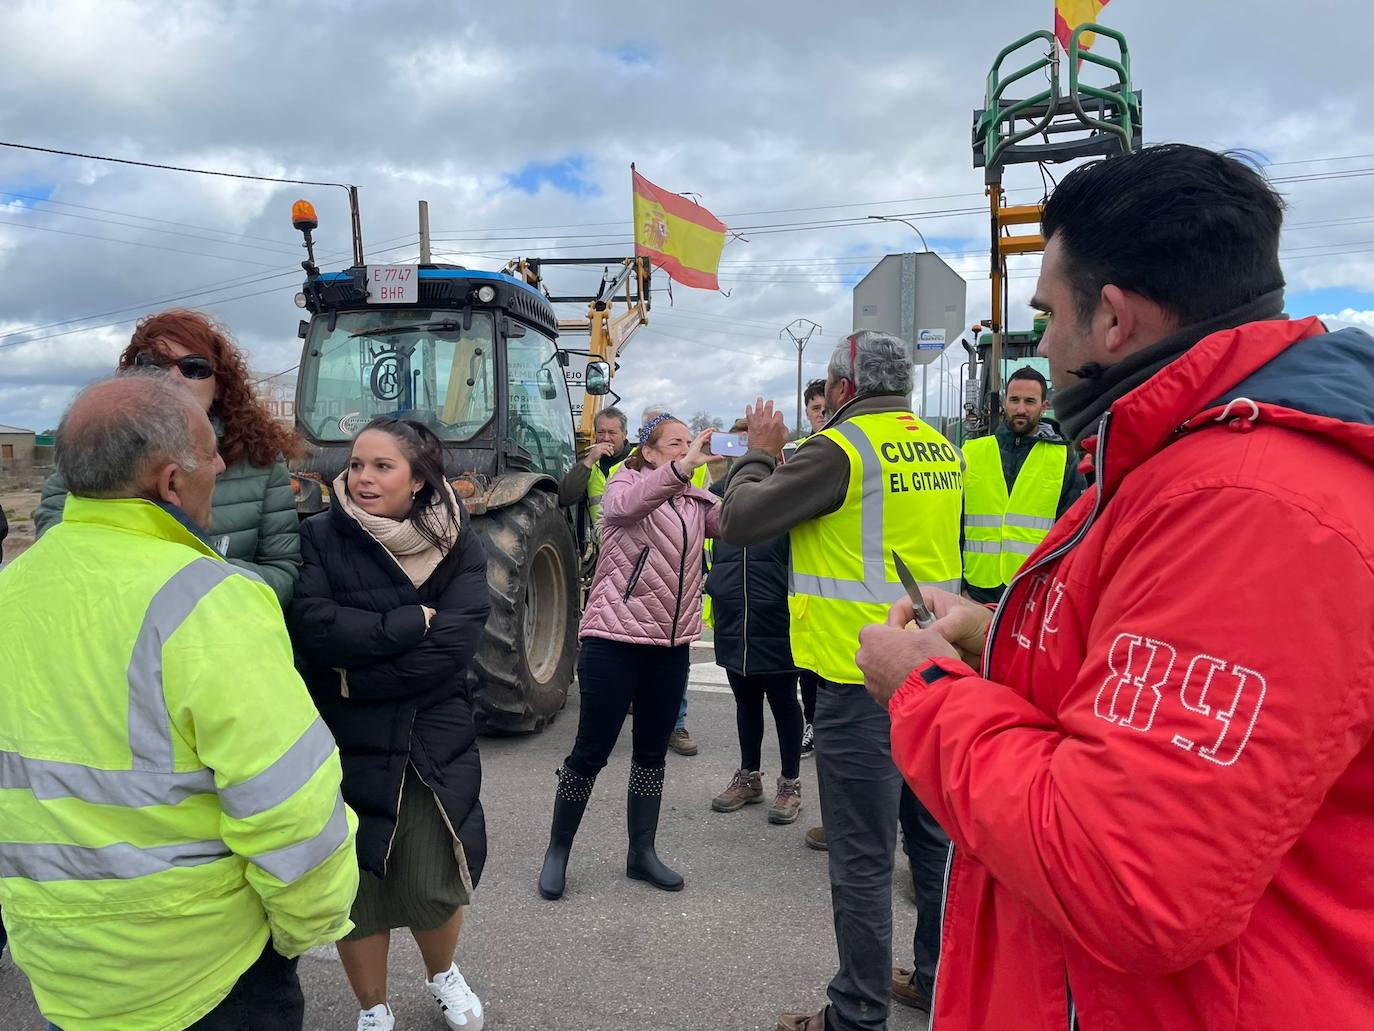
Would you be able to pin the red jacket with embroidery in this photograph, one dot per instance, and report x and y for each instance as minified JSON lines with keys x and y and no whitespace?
{"x":1161,"y":788}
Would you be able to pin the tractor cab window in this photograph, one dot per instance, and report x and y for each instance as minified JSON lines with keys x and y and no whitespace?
{"x":417,"y":363}
{"x":540,"y":414}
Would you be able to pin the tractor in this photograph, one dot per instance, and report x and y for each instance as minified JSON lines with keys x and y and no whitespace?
{"x":1054,"y":125}
{"x":479,"y":357}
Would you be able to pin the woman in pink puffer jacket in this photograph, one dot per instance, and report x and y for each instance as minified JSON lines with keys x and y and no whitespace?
{"x":643,"y":613}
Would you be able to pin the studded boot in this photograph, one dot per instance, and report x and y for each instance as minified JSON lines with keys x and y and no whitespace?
{"x":569,"y":803}
{"x":642,"y":806}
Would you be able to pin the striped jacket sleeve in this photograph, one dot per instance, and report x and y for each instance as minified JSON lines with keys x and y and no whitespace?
{"x":235,"y":698}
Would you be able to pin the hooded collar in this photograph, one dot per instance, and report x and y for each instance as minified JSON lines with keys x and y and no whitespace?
{"x":1289,"y":373}
{"x":135,"y":515}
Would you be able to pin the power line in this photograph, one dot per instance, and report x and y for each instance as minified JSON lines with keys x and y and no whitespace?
{"x":131,"y":243}
{"x":168,"y":168}
{"x":146,"y":218}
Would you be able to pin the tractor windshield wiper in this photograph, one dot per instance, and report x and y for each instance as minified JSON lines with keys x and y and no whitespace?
{"x":446,"y":326}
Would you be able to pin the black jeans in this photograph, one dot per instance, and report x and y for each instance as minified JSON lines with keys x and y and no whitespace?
{"x":927,"y":849}
{"x":781,"y":691}
{"x":611,"y":675}
{"x":266,"y":997}
{"x":809,"y":683}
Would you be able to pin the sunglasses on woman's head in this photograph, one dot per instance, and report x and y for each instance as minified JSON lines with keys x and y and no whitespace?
{"x":191,"y":366}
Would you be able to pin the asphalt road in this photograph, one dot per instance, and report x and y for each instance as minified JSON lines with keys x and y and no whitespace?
{"x":748,"y":938}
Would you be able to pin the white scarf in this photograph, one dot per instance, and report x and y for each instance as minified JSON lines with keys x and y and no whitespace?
{"x":416,"y":556}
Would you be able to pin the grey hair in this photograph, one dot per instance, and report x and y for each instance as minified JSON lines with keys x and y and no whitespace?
{"x":884,"y":363}
{"x":662,"y":408}
{"x":611,"y":412}
{"x":103,"y":452}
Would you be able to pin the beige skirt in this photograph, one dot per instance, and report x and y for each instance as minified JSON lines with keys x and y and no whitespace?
{"x":424,"y":883}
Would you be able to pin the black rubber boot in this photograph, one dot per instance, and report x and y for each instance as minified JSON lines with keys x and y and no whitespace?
{"x":642,"y":805}
{"x":569,"y":803}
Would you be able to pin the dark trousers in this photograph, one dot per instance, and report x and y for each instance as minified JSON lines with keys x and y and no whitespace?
{"x":809,"y":683}
{"x":611,"y":675}
{"x":266,"y":997}
{"x":781,"y":691}
{"x":927,"y":849}
{"x":860,"y":796}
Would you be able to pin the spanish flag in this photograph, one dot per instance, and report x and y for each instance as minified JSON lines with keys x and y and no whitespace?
{"x":681,"y":238}
{"x":1069,"y":14}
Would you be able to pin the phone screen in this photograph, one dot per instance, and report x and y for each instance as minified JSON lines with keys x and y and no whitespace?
{"x":731,"y":444}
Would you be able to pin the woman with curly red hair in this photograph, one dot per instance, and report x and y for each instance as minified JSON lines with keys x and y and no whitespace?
{"x":254,"y":523}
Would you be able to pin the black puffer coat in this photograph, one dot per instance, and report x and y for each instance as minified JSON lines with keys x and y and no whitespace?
{"x":748,"y":589}
{"x":408,"y":694}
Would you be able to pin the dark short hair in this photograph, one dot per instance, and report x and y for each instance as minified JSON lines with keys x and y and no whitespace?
{"x":1026,"y":372}
{"x":814,"y":389}
{"x":424,"y":452}
{"x":611,"y":412}
{"x":1195,"y":231}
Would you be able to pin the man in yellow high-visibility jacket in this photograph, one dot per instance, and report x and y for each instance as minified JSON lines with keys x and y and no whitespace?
{"x":874,"y":480}
{"x":588,"y":475}
{"x":172,"y":835}
{"x":1018,"y":482}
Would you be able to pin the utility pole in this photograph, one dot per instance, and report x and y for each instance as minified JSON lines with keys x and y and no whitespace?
{"x":800,"y":330}
{"x":425,"y":257}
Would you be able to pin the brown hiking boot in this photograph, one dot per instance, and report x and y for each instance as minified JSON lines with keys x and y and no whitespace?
{"x":787,"y":806}
{"x":745,"y":789}
{"x":802,"y":1021}
{"x":681,"y":742}
{"x":815,"y":838}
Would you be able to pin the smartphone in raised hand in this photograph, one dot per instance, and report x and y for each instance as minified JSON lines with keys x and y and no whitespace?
{"x":729,"y":444}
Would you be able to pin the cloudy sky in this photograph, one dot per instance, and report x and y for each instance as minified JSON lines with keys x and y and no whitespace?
{"x":518,"y":122}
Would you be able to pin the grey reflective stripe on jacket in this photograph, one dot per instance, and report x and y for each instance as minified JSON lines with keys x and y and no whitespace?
{"x":875,"y":588}
{"x":120,"y":861}
{"x":295,"y":861}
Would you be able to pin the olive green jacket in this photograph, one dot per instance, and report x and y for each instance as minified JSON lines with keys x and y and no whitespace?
{"x":253,"y":524}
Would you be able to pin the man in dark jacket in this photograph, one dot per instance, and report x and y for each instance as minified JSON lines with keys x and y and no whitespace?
{"x":586,"y":480}
{"x":908,"y":500}
{"x":1010,"y":503}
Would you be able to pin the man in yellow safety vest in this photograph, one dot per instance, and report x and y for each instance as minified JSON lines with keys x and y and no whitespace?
{"x":873,"y":481}
{"x":1018,"y":482}
{"x":172,"y":835}
{"x":587,"y":477}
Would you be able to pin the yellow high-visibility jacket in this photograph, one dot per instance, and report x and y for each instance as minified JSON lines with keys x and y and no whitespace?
{"x":169,"y":797}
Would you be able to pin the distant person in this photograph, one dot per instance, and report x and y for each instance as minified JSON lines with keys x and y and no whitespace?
{"x":1156,"y":771}
{"x":813,"y":398}
{"x":171,"y":831}
{"x":391,"y":606}
{"x":254,"y":523}
{"x":876,"y":480}
{"x":643,"y":612}
{"x":748,"y":591}
{"x":1018,"y":482}
{"x":681,"y":740}
{"x":586,"y":480}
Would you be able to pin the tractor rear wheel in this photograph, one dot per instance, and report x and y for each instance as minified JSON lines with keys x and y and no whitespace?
{"x":524,"y":664}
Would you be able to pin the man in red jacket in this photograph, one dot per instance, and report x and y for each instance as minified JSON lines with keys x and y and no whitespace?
{"x":1158,"y":784}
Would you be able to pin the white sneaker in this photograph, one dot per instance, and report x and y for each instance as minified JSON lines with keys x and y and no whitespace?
{"x":378,"y":1018}
{"x":461,"y":1008}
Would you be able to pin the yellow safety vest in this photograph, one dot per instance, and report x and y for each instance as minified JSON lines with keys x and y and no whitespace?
{"x":596,"y":486}
{"x":171,"y":796}
{"x":904,"y":494}
{"x":1001,"y":530}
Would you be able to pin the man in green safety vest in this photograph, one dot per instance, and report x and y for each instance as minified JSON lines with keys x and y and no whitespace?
{"x":172,"y":836}
{"x":587,"y":477}
{"x":873,"y":481}
{"x":1018,"y":482}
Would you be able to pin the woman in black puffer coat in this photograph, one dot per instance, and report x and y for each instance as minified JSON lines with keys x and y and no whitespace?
{"x":748,"y":590}
{"x":391,"y":605}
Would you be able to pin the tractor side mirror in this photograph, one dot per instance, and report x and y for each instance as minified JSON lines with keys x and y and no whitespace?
{"x":598,"y":378}
{"x":547,"y":390}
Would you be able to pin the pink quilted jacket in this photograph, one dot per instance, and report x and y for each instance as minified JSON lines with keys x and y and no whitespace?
{"x":647,"y":588}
